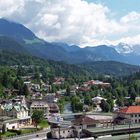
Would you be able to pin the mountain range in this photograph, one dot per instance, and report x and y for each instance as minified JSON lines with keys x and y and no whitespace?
{"x":68,"y":53}
{"x":17,"y":38}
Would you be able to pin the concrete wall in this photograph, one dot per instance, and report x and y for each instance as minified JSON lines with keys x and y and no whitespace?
{"x":63,"y":133}
{"x":12,"y":125}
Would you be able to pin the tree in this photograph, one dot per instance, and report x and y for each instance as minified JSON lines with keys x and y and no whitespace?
{"x":104,"y":106}
{"x":68,"y":90}
{"x":133,"y":137}
{"x":18,"y":83}
{"x":76,"y":104}
{"x":61,"y":104}
{"x":111,"y":103}
{"x":1,"y":92}
{"x":120,"y":102}
{"x":6,"y":80}
{"x":37,"y":116}
{"x":25,"y":90}
{"x":88,"y":100}
{"x":132,"y":93}
{"x":37,"y":77}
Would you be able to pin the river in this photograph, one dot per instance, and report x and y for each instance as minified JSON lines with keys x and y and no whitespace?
{"x":68,"y":110}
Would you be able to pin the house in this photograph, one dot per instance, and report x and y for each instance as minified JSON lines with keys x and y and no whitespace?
{"x":19,"y":99}
{"x":8,"y":123}
{"x":90,"y":121}
{"x":37,"y":95}
{"x":39,"y":105}
{"x":98,"y":99}
{"x":50,"y":98}
{"x":53,"y":108}
{"x":18,"y":114}
{"x":126,"y":115}
{"x":27,"y":83}
{"x":58,"y":80}
{"x":14,"y":110}
{"x":96,"y":83}
{"x":35,"y":87}
{"x":137,"y":100}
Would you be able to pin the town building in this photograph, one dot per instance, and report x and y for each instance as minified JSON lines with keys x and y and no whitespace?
{"x":14,"y":114}
{"x":98,"y":99}
{"x":63,"y":132}
{"x":39,"y":105}
{"x":126,"y":115}
{"x":50,"y":98}
{"x":53,"y":108}
{"x":91,"y":121}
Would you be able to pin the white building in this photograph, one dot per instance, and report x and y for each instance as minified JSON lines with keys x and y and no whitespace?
{"x":39,"y":105}
{"x":129,"y":114}
{"x":98,"y":99}
{"x":66,"y":132}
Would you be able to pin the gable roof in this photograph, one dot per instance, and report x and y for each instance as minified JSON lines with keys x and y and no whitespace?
{"x":130,"y":110}
{"x":84,"y":120}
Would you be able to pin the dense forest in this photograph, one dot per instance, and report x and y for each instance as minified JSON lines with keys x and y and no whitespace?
{"x":16,"y":62}
{"x":110,"y":68}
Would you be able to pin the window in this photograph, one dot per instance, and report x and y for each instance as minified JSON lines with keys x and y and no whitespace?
{"x":132,"y":115}
{"x":135,"y":121}
{"x":63,"y":131}
{"x":136,"y":115}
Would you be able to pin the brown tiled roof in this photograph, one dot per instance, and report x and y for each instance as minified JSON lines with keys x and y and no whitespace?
{"x":84,"y":120}
{"x":130,"y":110}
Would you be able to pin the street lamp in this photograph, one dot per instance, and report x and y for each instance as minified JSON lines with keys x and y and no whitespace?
{"x":129,"y":120}
{"x":0,"y":134}
{"x":59,"y":130}
{"x":113,"y":126}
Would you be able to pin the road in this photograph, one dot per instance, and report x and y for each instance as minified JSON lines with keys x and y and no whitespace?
{"x":120,"y":137}
{"x":87,"y":113}
{"x":116,"y":127}
{"x":42,"y":136}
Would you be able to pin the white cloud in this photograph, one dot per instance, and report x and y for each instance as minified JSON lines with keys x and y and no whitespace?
{"x":132,"y":17}
{"x":130,"y":40}
{"x":72,"y":21}
{"x":10,"y":7}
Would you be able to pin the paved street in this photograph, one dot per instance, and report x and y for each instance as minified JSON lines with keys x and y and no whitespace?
{"x":116,"y":127}
{"x":120,"y":137}
{"x":42,"y":136}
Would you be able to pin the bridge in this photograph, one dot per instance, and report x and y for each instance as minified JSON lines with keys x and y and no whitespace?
{"x":84,"y":113}
{"x":120,"y":130}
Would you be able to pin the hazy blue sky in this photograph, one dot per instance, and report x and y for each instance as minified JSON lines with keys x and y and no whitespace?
{"x":80,"y":22}
{"x":121,"y":7}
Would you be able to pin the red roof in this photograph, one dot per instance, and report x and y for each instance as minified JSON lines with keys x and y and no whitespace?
{"x":130,"y":110}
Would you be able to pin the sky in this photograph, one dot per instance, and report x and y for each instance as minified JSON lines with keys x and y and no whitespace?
{"x":79,"y":22}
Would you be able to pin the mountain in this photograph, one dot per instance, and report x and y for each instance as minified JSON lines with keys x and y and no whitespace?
{"x":72,"y":54}
{"x":10,"y":45}
{"x":110,"y":68}
{"x":123,"y":48}
{"x":66,"y":47}
{"x":14,"y":53}
{"x":15,"y":30}
{"x":131,"y":53}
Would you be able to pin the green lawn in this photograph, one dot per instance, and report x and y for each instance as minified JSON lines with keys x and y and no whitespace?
{"x":29,"y":130}
{"x":43,"y":124}
{"x":9,"y":134}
